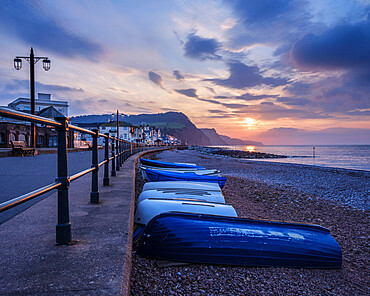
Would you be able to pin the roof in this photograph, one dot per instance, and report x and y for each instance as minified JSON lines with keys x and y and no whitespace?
{"x":50,"y":112}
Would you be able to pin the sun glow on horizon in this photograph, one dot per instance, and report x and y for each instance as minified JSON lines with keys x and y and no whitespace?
{"x":250,"y":148}
{"x":249,"y":122}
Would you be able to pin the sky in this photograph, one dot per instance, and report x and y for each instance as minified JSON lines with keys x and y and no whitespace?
{"x":276,"y":71}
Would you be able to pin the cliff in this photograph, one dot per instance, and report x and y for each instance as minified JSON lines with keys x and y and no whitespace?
{"x":220,"y":140}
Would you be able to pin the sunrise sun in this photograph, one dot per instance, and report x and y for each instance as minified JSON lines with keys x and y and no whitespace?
{"x":249,"y":122}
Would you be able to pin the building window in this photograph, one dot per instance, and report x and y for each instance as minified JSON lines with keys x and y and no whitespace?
{"x":40,"y":141}
{"x":53,"y":142}
{"x":22,"y":137}
{"x":2,"y":138}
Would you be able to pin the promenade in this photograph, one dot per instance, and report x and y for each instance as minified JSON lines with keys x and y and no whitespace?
{"x":99,"y":260}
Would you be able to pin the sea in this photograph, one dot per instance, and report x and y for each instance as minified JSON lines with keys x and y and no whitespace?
{"x":355,"y":157}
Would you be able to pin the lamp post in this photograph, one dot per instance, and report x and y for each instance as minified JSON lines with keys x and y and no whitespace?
{"x":117,"y":124}
{"x":32,"y":60}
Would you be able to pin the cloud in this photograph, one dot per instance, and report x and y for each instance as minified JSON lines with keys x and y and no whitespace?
{"x":251,"y":97}
{"x":191,"y":92}
{"x":201,"y":48}
{"x":216,"y":111}
{"x":178,"y":75}
{"x":342,"y":47}
{"x":258,"y":19}
{"x":169,"y":110}
{"x":16,"y":85}
{"x":156,"y":78}
{"x":261,"y":11}
{"x":242,"y":76}
{"x":28,"y":21}
{"x":119,"y":90}
{"x":293,"y":101}
{"x":211,"y":89}
{"x":299,"y":88}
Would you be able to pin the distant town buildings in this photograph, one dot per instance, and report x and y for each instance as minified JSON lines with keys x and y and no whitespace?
{"x":46,"y":136}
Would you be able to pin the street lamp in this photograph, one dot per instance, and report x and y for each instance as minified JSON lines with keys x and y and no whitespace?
{"x":32,"y":60}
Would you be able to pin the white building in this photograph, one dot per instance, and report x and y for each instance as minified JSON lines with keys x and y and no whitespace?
{"x":125,"y":132}
{"x":134,"y":134}
{"x":42,"y":101}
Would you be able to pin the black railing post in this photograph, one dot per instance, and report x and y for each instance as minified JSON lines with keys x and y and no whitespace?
{"x":126,"y":151}
{"x":63,"y":228}
{"x":117,"y":157}
{"x":106,"y":157}
{"x":94,"y":195}
{"x":113,"y":172}
{"x":121,"y":154}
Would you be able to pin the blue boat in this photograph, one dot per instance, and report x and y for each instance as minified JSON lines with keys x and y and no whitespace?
{"x":158,"y":175}
{"x":163,"y":164}
{"x":200,"y":238}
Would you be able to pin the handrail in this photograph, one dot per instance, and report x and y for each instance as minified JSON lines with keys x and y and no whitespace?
{"x":28,"y":196}
{"x":80,"y":129}
{"x":120,"y":150}
{"x":80,"y":174}
{"x":10,"y":113}
{"x":103,"y":162}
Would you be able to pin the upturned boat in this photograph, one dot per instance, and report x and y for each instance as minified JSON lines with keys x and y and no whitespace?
{"x":202,"y":172}
{"x":157,"y":175}
{"x":151,"y":207}
{"x":181,"y":185}
{"x":164,"y":164}
{"x":198,"y":238}
{"x":180,"y":193}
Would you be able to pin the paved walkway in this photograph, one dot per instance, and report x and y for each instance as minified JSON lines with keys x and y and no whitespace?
{"x":6,"y":152}
{"x":99,"y":261}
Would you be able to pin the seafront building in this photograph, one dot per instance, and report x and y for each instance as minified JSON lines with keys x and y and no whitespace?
{"x":42,"y":101}
{"x":46,"y":136}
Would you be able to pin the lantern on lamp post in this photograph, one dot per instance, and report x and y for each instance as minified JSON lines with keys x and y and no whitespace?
{"x":32,"y":60}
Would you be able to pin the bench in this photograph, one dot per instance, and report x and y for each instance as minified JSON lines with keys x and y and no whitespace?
{"x":20,"y":148}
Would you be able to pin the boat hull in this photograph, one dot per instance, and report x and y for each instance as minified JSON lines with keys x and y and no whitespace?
{"x":164,"y":164}
{"x":198,"y":238}
{"x":175,"y":169}
{"x":183,"y":170}
{"x":157,"y":175}
{"x":149,"y":208}
{"x":181,"y":185}
{"x":195,"y":194}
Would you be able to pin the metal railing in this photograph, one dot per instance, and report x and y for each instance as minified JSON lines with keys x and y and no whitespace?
{"x":120,"y":151}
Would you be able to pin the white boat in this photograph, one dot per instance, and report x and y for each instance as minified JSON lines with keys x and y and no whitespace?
{"x":180,"y":193}
{"x":149,"y":208}
{"x":181,"y":184}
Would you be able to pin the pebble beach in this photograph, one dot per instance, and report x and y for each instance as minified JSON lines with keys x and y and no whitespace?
{"x":337,"y":199}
